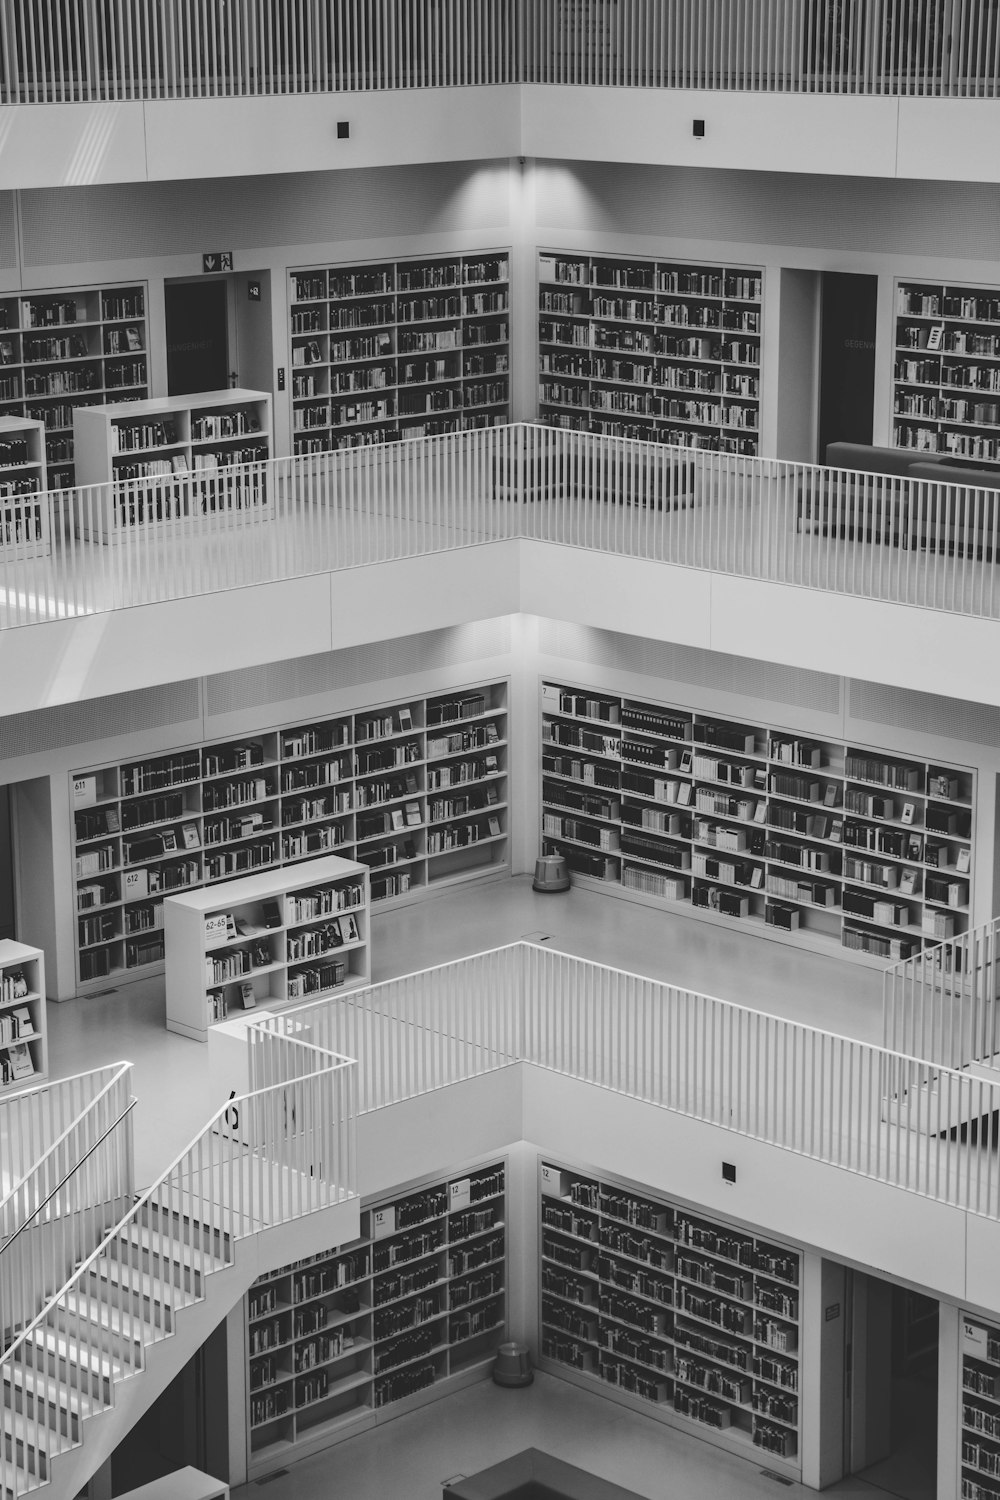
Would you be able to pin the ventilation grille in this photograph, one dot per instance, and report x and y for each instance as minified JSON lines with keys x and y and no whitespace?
{"x":926,"y":713}
{"x":98,"y":719}
{"x":761,"y":680}
{"x":310,"y":676}
{"x":136,"y":220}
{"x":8,"y":233}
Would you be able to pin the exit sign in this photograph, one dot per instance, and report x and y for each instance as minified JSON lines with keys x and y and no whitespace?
{"x":217,"y":260}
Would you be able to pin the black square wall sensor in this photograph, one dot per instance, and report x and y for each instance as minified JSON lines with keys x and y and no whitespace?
{"x":343,"y":130}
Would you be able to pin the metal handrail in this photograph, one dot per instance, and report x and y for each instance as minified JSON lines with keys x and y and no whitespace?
{"x":68,"y":1177}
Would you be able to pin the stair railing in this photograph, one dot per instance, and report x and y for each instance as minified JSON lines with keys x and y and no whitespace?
{"x":38,"y":1255}
{"x":941,"y":1004}
{"x":264,"y":1158}
{"x":34,"y":1122}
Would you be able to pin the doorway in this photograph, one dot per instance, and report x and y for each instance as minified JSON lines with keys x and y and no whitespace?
{"x":891,"y":1417}
{"x":847,"y":359}
{"x":219,"y":333}
{"x":197,"y":319}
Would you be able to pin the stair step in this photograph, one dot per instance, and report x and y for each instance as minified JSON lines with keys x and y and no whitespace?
{"x":33,"y":1391}
{"x":29,"y":1447}
{"x":184,"y":1265}
{"x":119,"y":1331}
{"x":122,"y":1284}
{"x":181,"y":1228}
{"x":96,"y":1369}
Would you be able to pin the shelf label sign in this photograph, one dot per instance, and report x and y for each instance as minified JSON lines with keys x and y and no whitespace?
{"x":84,"y":791}
{"x":383,"y":1222}
{"x":135,"y":883}
{"x":216,"y":929}
{"x":550,"y":1180}
{"x":974,"y":1337}
{"x":459,"y":1194}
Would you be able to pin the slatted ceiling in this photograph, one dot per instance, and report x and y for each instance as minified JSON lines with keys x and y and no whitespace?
{"x":767,"y":681}
{"x":310,"y":676}
{"x":926,"y":713}
{"x":136,"y":220}
{"x":174,"y":704}
{"x":770,"y":208}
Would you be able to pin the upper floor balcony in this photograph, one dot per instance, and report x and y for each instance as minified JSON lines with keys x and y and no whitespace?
{"x":150,"y":579}
{"x":773,"y":84}
{"x":62,"y":51}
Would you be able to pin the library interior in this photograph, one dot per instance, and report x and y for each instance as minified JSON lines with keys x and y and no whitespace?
{"x":499,"y":748}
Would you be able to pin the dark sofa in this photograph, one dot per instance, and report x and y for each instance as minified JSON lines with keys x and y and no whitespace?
{"x":902,"y":497}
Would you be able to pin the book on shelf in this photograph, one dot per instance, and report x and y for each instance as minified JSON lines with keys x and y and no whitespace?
{"x":20,"y":1062}
{"x":247,"y":998}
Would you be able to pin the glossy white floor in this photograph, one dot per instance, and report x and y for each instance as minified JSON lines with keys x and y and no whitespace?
{"x":407,"y":1459}
{"x":171,"y":1078}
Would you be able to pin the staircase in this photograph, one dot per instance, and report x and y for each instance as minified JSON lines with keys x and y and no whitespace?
{"x":131,"y":1315}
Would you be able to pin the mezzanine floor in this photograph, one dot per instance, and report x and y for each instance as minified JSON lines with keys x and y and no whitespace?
{"x":171,"y":1075}
{"x":748,"y":527}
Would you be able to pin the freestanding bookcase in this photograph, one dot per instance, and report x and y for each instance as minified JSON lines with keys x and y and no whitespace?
{"x":181,"y":461}
{"x":24,"y":515}
{"x":293,"y":934}
{"x":23,"y":1042}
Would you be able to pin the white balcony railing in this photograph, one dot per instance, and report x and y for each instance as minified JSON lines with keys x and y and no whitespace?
{"x":866,"y":1109}
{"x":944,"y":1004}
{"x":62,"y":50}
{"x":935,"y":545}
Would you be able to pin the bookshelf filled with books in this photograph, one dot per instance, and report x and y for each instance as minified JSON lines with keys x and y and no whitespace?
{"x":663,"y":351}
{"x":416,"y":791}
{"x":408,"y":1312}
{"x":175,"y":460}
{"x":292,"y":934}
{"x":397,"y":349}
{"x":946,"y":382}
{"x":23,"y":1045}
{"x":65,"y":348}
{"x":24,"y":516}
{"x":816,"y":842}
{"x":681,"y":1315}
{"x":980,"y":1409}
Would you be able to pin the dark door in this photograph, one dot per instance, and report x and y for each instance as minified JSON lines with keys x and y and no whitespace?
{"x":847,"y":359}
{"x":197,"y":336}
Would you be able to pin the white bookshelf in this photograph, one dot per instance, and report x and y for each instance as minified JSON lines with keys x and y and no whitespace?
{"x":24,"y":516}
{"x":175,"y":461}
{"x":22,"y":1017}
{"x":412,"y":1310}
{"x":416,"y":789}
{"x":675,"y":1313}
{"x":284,"y":937}
{"x":828,"y":845}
